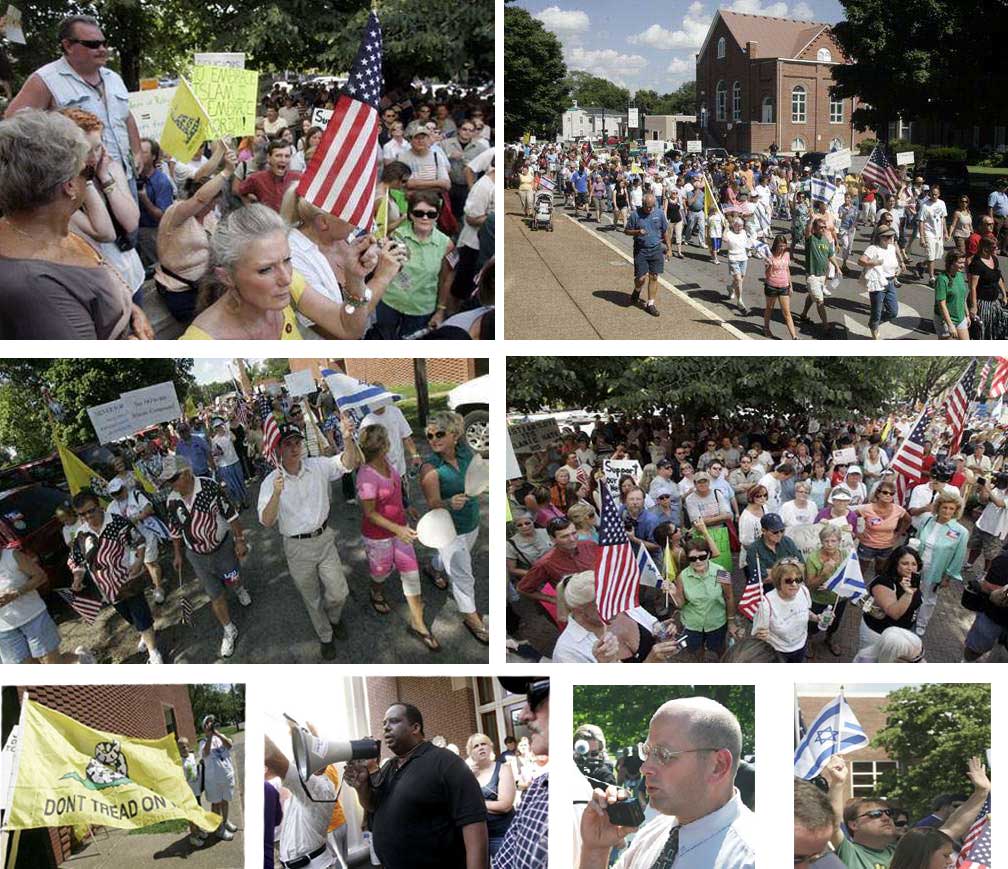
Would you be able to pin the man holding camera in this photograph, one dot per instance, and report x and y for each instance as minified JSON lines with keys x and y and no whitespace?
{"x":990,"y":529}
{"x":427,"y":808}
{"x":590,"y":755}
{"x":690,"y":761}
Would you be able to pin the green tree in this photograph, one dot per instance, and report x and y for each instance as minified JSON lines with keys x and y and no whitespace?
{"x":534,"y":73}
{"x":931,"y":731}
{"x":268,"y":369}
{"x":226,"y":702}
{"x":647,"y":101}
{"x":681,"y":101}
{"x":624,"y":711}
{"x":593,"y":90}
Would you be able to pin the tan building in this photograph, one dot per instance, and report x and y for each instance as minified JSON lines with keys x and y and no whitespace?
{"x":669,"y":128}
{"x":763,"y":80}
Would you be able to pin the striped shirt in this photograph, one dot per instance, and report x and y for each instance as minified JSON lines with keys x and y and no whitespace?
{"x":105,"y":553}
{"x":201,"y":520}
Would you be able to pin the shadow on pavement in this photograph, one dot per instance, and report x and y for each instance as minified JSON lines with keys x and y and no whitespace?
{"x":615,"y":297}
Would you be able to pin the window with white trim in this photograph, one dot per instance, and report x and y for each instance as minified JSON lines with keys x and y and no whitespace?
{"x":823,"y":55}
{"x":720,"y":100}
{"x":835,"y":111}
{"x":798,"y":144}
{"x":736,"y":102}
{"x":721,"y":48}
{"x":865,"y":775}
{"x":767,"y":110}
{"x":798,"y":100}
{"x":497,"y":711}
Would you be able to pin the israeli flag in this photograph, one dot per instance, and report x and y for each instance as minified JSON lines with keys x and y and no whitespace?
{"x":546,"y":184}
{"x":822,"y":190}
{"x":835,"y":730}
{"x":351,"y":393}
{"x":649,"y":574}
{"x":848,"y":581}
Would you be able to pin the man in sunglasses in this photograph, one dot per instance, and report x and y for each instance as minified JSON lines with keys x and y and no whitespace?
{"x":80,"y":79}
{"x":689,"y":765}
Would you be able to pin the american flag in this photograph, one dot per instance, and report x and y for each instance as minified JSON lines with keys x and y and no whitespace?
{"x":241,"y":411}
{"x":907,"y":461}
{"x":86,"y":607}
{"x":982,"y":380}
{"x":342,"y":175}
{"x":616,"y":573}
{"x":878,"y":170}
{"x":104,"y":554}
{"x":976,"y":850}
{"x":999,"y":381}
{"x":752,"y":594}
{"x":271,"y":432}
{"x":957,"y":406}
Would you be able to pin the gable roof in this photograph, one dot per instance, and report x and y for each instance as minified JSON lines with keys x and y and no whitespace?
{"x":777,"y":37}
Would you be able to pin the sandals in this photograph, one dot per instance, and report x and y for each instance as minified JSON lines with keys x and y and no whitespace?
{"x":428,"y":639}
{"x":381,"y":606}
{"x":481,"y":634}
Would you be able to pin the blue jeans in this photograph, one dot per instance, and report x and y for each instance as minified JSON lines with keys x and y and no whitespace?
{"x":695,"y":220}
{"x":884,"y":306}
{"x":391,"y":324}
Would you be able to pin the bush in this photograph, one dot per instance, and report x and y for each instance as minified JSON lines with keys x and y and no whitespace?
{"x":866,"y":147}
{"x":940,"y":152}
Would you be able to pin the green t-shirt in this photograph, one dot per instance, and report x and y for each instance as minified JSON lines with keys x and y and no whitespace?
{"x":705,"y":608}
{"x":818,"y":251}
{"x":414,"y":291}
{"x":855,"y":856}
{"x":953,"y":292}
{"x":814,"y":562}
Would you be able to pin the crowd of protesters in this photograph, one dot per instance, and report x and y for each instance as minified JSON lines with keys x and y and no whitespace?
{"x":958,"y":243}
{"x":92,"y":213}
{"x":786,"y":502}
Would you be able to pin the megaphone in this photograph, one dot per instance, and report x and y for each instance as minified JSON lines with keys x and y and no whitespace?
{"x":312,"y":754}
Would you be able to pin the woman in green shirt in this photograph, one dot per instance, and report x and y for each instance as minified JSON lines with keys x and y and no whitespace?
{"x":419,"y":295}
{"x":704,"y":591}
{"x":442,"y":478}
{"x":820,"y":565}
{"x":951,"y":319}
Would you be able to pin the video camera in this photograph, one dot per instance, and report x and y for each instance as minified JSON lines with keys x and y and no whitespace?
{"x":593,"y":764}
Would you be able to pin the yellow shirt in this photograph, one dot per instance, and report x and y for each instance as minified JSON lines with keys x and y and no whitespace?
{"x":338,"y":818}
{"x":290,"y":327}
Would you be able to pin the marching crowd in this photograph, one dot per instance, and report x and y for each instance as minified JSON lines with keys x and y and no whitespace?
{"x":184,"y":487}
{"x":728,"y":208}
{"x":91,"y":212}
{"x":721,"y":507}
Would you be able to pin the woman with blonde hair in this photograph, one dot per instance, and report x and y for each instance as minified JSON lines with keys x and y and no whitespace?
{"x":943,"y":542}
{"x":783,"y":615}
{"x":442,"y":478}
{"x":582,"y":514}
{"x":388,"y":538}
{"x":498,"y":785}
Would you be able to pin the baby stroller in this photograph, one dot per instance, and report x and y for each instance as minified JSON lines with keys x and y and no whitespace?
{"x":542,"y":213}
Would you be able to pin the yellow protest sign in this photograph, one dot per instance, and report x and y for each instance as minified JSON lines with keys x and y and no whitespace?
{"x":229,"y":96}
{"x":69,"y":774}
{"x":187,"y":127}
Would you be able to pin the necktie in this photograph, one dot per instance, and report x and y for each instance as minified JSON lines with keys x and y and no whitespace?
{"x":667,"y":857}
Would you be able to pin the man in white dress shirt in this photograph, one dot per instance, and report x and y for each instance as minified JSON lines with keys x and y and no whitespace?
{"x":295,"y":497}
{"x":690,"y":761}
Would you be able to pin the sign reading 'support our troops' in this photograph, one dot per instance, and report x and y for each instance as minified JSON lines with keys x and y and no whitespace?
{"x":616,"y":468}
{"x":229,"y":97}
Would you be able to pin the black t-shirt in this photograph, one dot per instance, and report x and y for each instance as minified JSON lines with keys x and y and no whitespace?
{"x":997,"y":575}
{"x":907,"y":620}
{"x":422,"y":808}
{"x":987,"y":283}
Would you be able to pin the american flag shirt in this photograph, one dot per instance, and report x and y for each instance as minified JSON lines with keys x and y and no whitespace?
{"x":106,"y":553}
{"x":201,"y":521}
{"x":526,"y":842}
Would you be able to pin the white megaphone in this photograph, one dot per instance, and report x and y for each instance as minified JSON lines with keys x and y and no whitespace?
{"x":312,"y":754}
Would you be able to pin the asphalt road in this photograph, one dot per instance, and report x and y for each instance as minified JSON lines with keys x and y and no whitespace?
{"x":579,"y":276}
{"x":275,"y":629}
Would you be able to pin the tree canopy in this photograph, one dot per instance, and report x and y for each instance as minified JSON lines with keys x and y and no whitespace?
{"x":829,"y":387}
{"x":593,"y":90}
{"x":534,"y":74}
{"x":76,"y":384}
{"x":680,"y":102}
{"x":225,"y":702}
{"x":624,"y":711}
{"x":931,"y":731}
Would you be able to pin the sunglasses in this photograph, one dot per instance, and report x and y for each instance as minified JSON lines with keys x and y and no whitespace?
{"x":797,"y":581}
{"x":875,"y":814}
{"x":694,"y":558}
{"x":664,"y":497}
{"x":416,"y":212}
{"x":90,"y":43}
{"x":436,"y":435}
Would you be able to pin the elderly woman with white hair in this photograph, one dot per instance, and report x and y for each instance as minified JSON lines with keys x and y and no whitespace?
{"x":53,"y":284}
{"x":943,"y":542}
{"x":735,"y":243}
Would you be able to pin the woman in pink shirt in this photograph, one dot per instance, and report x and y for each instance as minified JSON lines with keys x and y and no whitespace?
{"x":885,"y":523}
{"x":778,"y":286}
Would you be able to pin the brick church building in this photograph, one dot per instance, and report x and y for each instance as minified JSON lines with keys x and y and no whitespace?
{"x":763,"y":80}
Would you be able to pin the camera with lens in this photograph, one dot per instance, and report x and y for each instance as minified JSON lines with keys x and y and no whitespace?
{"x":593,"y":764}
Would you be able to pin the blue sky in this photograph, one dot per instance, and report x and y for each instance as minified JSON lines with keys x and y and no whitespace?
{"x":213,"y":370}
{"x":644,"y":44}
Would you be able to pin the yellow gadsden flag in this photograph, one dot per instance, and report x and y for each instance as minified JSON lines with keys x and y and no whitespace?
{"x":77,"y":474}
{"x":187,"y":126}
{"x":69,"y":774}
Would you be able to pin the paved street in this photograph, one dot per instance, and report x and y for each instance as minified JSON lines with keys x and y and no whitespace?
{"x":577,"y":280}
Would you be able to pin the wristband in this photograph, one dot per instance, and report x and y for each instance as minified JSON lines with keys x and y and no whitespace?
{"x":109,"y":185}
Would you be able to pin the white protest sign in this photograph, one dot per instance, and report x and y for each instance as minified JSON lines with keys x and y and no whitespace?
{"x":905,"y":158}
{"x":633,"y":118}
{"x":511,"y":467}
{"x":694,"y":146}
{"x":150,"y":108}
{"x":527,"y":437}
{"x":12,"y":26}
{"x":235,"y":60}
{"x":151,"y":405}
{"x":846,"y":456}
{"x":857,"y":164}
{"x":320,"y":117}
{"x":836,"y":160}
{"x":300,"y":382}
{"x":616,"y":468}
{"x":112,"y":421}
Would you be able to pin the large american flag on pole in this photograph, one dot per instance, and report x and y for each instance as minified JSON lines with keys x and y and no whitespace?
{"x":981,"y":395}
{"x":878,"y":170}
{"x":999,"y":381}
{"x":271,"y":432}
{"x":957,"y":406}
{"x":908,"y":460}
{"x":617,"y":575}
{"x":976,"y":848}
{"x":342,"y":175}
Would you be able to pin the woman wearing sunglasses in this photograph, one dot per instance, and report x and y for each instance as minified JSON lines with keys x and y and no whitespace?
{"x":420,"y":294}
{"x":442,"y":478}
{"x":784,"y":613}
{"x":703,"y":591}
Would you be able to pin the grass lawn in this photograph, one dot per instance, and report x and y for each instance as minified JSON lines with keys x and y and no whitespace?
{"x":988,"y":170}
{"x":162,"y":827}
{"x":438,"y":401}
{"x":433,"y":388}
{"x":230,"y":730}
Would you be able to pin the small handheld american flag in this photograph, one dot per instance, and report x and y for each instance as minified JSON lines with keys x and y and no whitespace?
{"x":752,"y":594}
{"x":271,"y":431}
{"x":86,"y":607}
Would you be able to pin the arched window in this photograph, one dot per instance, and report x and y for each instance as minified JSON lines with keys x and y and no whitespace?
{"x":835,"y":111}
{"x":736,"y":102}
{"x":767,"y":110}
{"x":823,"y":55}
{"x":721,"y":48}
{"x":798,"y":105}
{"x":720,"y":98}
{"x":836,"y":144}
{"x":798,"y":144}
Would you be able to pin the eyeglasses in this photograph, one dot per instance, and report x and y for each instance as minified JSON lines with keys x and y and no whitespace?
{"x":90,"y":43}
{"x":693,"y":558}
{"x":85,"y":513}
{"x":664,"y":756}
{"x":875,"y":814}
{"x":436,"y":435}
{"x":416,"y":212}
{"x":796,"y":581}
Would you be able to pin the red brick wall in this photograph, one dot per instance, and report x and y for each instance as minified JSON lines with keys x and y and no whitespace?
{"x":870,"y":711}
{"x":391,"y":372}
{"x":446,"y":712}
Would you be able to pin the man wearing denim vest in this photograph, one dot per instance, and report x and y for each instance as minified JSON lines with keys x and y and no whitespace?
{"x":79,"y":79}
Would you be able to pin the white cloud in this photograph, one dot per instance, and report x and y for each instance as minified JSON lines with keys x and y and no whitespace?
{"x":802,"y":11}
{"x":774,"y":10}
{"x":678,"y":66}
{"x":606,"y":63}
{"x":690,"y":35}
{"x":564,"y":22}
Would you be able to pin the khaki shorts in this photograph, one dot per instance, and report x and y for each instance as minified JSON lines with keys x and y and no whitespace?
{"x":816,"y":284}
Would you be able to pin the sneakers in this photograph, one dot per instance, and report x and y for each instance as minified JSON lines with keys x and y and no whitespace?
{"x":227,"y":645}
{"x":229,"y":826}
{"x":224,"y":833}
{"x":85,"y":656}
{"x":158,"y":595}
{"x":244,"y":598}
{"x":154,"y":657}
{"x":652,"y":309}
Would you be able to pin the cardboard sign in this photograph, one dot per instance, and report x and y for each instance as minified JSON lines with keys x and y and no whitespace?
{"x":905,"y":158}
{"x":837,"y":160}
{"x":857,"y":164}
{"x":233,"y":60}
{"x":229,"y":97}
{"x":320,"y":117}
{"x":112,"y":421}
{"x":300,"y":383}
{"x":12,"y":26}
{"x":151,"y":405}
{"x":527,"y":437}
{"x":694,"y":146}
{"x":616,"y":468}
{"x":150,"y":109}
{"x":846,"y":456}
